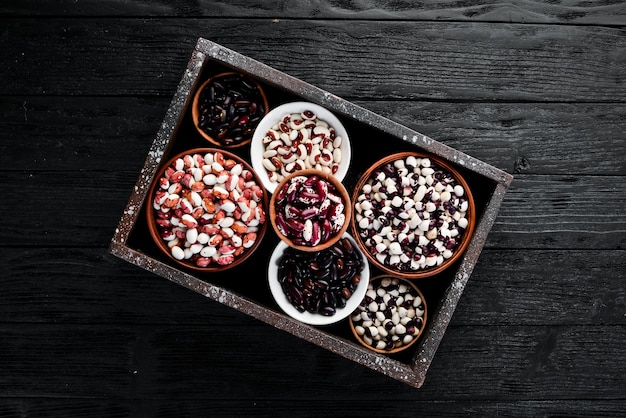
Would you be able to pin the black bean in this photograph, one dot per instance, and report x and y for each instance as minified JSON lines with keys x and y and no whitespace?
{"x":355,"y":280}
{"x":327,"y":310}
{"x":326,"y":300}
{"x":235,"y":101}
{"x":339,"y":301}
{"x":314,"y":282}
{"x":296,"y":295}
{"x":321,"y":284}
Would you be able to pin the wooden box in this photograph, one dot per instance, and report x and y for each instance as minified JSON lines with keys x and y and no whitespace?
{"x":243,"y":288}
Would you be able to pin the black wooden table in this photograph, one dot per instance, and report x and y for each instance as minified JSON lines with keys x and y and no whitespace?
{"x":535,"y":89}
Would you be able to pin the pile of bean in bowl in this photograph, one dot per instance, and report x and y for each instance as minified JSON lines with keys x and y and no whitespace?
{"x":301,"y":141}
{"x":410,"y":214}
{"x":229,"y":106}
{"x":391,"y":316}
{"x":323,"y":281}
{"x":309,"y":210}
{"x":208,"y":208}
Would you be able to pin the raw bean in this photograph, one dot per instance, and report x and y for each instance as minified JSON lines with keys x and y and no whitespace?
{"x":230,"y":108}
{"x":298,"y":141}
{"x":411,"y":214}
{"x":400,"y":320}
{"x":178,"y":253}
{"x":315,"y":282}
{"x":209,"y":223}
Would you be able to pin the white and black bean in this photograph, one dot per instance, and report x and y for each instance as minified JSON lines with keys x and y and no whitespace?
{"x":320,"y":282}
{"x":390,"y":316}
{"x":411,"y":214}
{"x":301,"y":141}
{"x":230,"y":107}
{"x":208,"y":209}
{"x":309,"y":210}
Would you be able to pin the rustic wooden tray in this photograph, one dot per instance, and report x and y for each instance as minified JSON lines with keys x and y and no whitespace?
{"x":372,"y":138}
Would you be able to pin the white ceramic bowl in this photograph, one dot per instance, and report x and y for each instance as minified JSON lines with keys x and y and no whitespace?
{"x":257,"y":148}
{"x":308,"y":317}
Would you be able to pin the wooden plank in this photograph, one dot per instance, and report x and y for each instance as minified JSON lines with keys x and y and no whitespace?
{"x":104,"y":289}
{"x":508,"y":287}
{"x":541,"y":212}
{"x":562,"y":212}
{"x":59,"y":361}
{"x":523,"y":138}
{"x":545,"y":287}
{"x":81,"y":133}
{"x":254,"y":406}
{"x":74,"y":407}
{"x":206,"y":362}
{"x":578,"y":362}
{"x":442,"y":61}
{"x":87,"y":133}
{"x":516,"y":11}
{"x":65,"y":208}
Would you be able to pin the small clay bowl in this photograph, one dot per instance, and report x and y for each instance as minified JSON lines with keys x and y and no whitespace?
{"x":259,"y":146}
{"x":208,"y":210}
{"x":236,"y":111}
{"x":457,"y":245}
{"x":278,"y":219}
{"x":414,"y":327}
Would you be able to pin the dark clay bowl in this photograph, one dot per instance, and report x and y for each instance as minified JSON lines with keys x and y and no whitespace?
{"x":368,"y":337}
{"x":342,"y":193}
{"x":461,"y":241}
{"x":239,"y":116}
{"x":207,"y":215}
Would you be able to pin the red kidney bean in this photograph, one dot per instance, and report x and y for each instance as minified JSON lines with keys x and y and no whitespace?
{"x":312,"y":282}
{"x":309,"y":210}
{"x":230,"y":108}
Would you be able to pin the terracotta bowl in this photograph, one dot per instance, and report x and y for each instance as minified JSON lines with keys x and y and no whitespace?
{"x":187,"y":209}
{"x":277,"y":198}
{"x":436,"y":242}
{"x":414,"y":327}
{"x":246,"y":126}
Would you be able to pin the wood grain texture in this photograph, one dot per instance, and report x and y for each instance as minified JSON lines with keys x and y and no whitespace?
{"x":539,"y":211}
{"x":523,"y":138}
{"x":517,"y":11}
{"x":534,"y":88}
{"x":508,"y":287}
{"x":202,"y":362}
{"x":258,"y":407}
{"x":562,"y":211}
{"x":443,"y":61}
{"x":88,"y":133}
